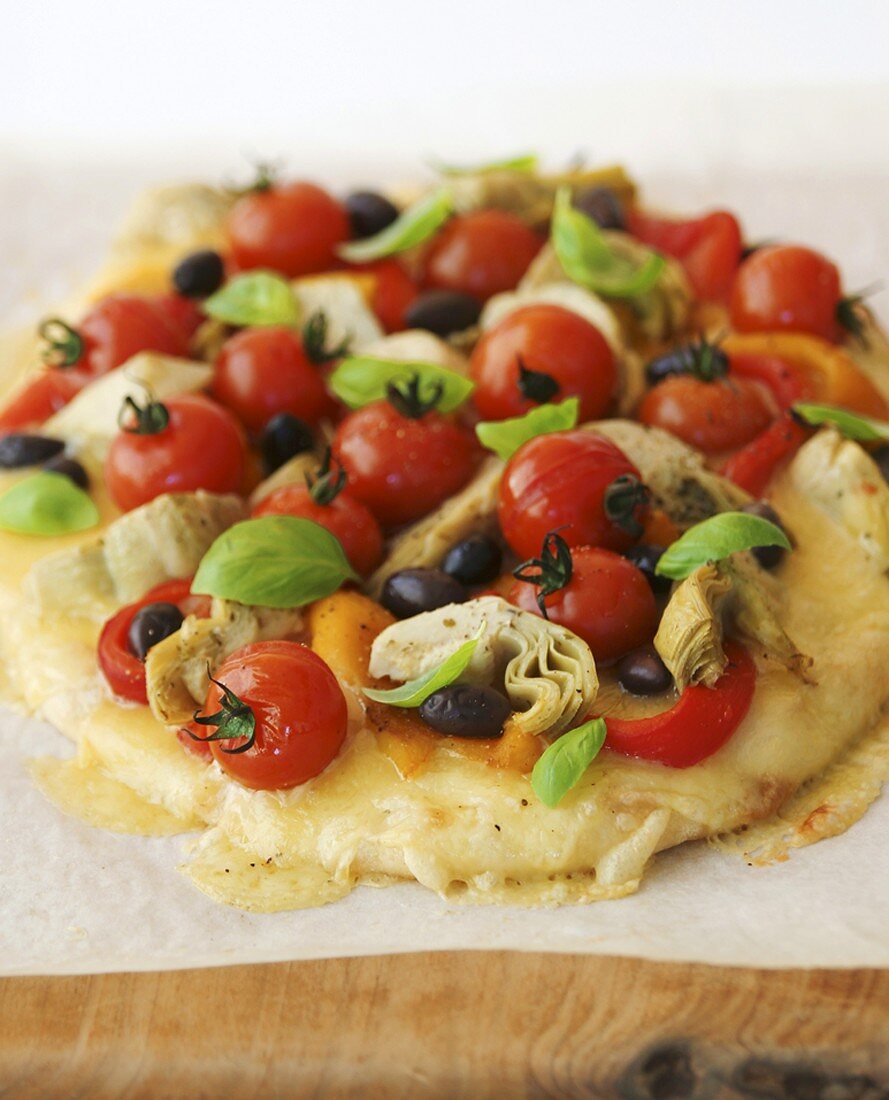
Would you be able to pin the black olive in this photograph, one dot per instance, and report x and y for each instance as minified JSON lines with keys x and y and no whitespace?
{"x":283,"y":437}
{"x":369,"y":213}
{"x":462,"y":710}
{"x":767,"y":556}
{"x":151,"y":625}
{"x":21,"y":449}
{"x":603,"y":206}
{"x":410,"y":591}
{"x":71,"y":468}
{"x":881,"y":457}
{"x":475,"y":560}
{"x":642,"y":672}
{"x":443,"y":312}
{"x":200,"y":274}
{"x":645,"y":557}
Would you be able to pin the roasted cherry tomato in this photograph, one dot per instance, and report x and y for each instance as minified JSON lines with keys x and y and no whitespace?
{"x":121,"y":325}
{"x":786,"y":287}
{"x":712,"y":416}
{"x":41,"y":396}
{"x":124,"y":671}
{"x":607,"y":601}
{"x":402,"y":466}
{"x":577,"y":483}
{"x":186,"y":313}
{"x":299,"y":712}
{"x":293,"y":228}
{"x":481,"y":253}
{"x":202,"y":447}
{"x":709,"y":248}
{"x":543,"y":353}
{"x":394,"y":290}
{"x":264,"y":371}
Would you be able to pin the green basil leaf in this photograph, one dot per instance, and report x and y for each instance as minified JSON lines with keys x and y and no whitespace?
{"x":414,"y":692}
{"x":274,"y":561}
{"x":588,"y":258}
{"x":255,"y":298}
{"x":562,"y":765}
{"x":714,"y":539}
{"x":852,"y":425}
{"x":47,"y":504}
{"x":359,"y":380}
{"x":525,"y":162}
{"x":504,"y":437}
{"x":410,"y":228}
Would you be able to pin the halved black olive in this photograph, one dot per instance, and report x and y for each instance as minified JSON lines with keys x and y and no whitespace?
{"x":464,"y":710}
{"x":603,"y":206}
{"x":71,"y":468}
{"x":200,"y":274}
{"x":21,"y":449}
{"x":283,"y":437}
{"x":443,"y":312}
{"x":642,"y":672}
{"x":645,"y":557}
{"x":411,"y":591}
{"x":369,"y":213}
{"x":151,"y":625}
{"x":474,"y":560}
{"x":767,"y":556}
{"x":881,"y":457}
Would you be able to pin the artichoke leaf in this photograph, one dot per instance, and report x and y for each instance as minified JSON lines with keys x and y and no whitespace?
{"x":689,"y":638}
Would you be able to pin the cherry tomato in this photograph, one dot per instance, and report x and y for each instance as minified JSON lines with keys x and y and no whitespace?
{"x":345,"y":516}
{"x":608,"y":602}
{"x":394,"y":290}
{"x":299,"y":709}
{"x":786,"y":287}
{"x":121,"y":325}
{"x":264,"y":371}
{"x":712,"y":416}
{"x":293,"y":228}
{"x":185,"y":313}
{"x":550,"y":340}
{"x":481,"y":253}
{"x":402,"y":468}
{"x":786,"y":381}
{"x":754,"y":466}
{"x":202,"y":447}
{"x":559,"y":482}
{"x":709,"y":248}
{"x":41,"y":396}
{"x":124,"y":671}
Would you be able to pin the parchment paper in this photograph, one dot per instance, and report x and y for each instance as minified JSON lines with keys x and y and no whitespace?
{"x":77,"y":900}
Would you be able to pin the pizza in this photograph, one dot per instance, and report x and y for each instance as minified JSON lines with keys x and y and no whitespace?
{"x":496,"y":536}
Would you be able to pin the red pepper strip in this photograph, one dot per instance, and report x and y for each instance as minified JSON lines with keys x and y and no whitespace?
{"x":43,"y":395}
{"x":699,"y":723}
{"x":785,"y":381}
{"x":709,"y":248}
{"x":124,"y":671}
{"x":754,"y":466}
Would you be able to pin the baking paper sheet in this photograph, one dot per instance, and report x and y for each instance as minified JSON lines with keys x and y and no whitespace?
{"x":76,"y":900}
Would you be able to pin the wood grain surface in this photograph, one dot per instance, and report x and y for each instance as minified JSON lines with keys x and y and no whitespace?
{"x":453,"y":1025}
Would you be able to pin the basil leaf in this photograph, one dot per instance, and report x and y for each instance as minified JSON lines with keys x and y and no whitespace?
{"x":562,"y":765}
{"x":852,"y":425}
{"x":275,"y":561}
{"x":255,"y":298}
{"x":588,"y":258}
{"x":504,"y":437}
{"x":410,"y":228}
{"x":414,"y":692}
{"x":526,"y":162}
{"x":359,"y":380}
{"x":714,"y":539}
{"x":47,"y":504}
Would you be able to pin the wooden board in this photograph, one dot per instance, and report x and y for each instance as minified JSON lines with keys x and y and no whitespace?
{"x":495,"y":1025}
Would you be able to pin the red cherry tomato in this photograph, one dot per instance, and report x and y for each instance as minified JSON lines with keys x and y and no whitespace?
{"x":402,"y":468}
{"x":122,"y":669}
{"x":709,"y":248}
{"x":754,"y":466}
{"x":121,"y":325}
{"x":558,"y":482}
{"x":608,"y":602}
{"x":41,"y":396}
{"x":299,"y":709}
{"x":550,"y":340}
{"x":264,"y":371}
{"x":293,"y":228}
{"x":481,"y":253}
{"x":345,"y":516}
{"x":786,"y":287}
{"x":394,"y":291}
{"x":712,"y":416}
{"x":185,"y":313}
{"x":202,"y":447}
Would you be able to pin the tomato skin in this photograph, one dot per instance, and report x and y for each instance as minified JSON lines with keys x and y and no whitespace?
{"x":482,"y":253}
{"x":394,"y":291}
{"x":552,"y":340}
{"x":786,"y":288}
{"x":202,"y":447}
{"x":122,"y":325}
{"x":300,"y":711}
{"x":608,"y":602}
{"x":709,"y":248}
{"x":345,"y":516}
{"x":293,"y":228}
{"x":786,"y":382}
{"x":712,"y":416}
{"x":264,"y":371}
{"x":44,"y":394}
{"x":558,"y":482}
{"x":185,"y":313}
{"x":754,"y":466}
{"x":402,"y":468}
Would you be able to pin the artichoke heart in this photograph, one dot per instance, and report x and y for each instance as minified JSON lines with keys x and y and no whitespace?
{"x":689,"y":638}
{"x":548,"y":673}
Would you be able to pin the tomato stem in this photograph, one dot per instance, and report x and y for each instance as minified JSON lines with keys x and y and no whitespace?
{"x":327,"y":482}
{"x":235,"y":719}
{"x":148,"y":419}
{"x":550,"y":572}
{"x":314,"y":336}
{"x":535,"y":385}
{"x":622,"y":497}
{"x":64,"y":344}
{"x":406,"y":399}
